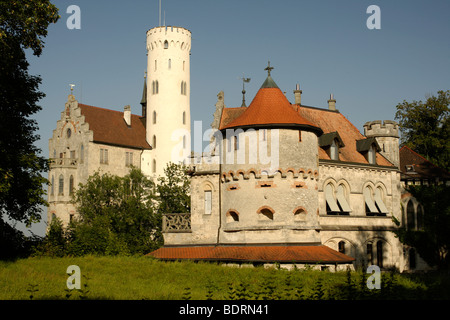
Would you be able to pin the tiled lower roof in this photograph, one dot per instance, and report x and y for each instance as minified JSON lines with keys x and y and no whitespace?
{"x":273,"y":253}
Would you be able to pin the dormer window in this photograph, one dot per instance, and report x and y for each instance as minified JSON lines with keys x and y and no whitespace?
{"x":331,"y":142}
{"x":369,"y":148}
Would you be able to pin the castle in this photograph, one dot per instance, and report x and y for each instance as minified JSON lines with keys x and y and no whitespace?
{"x":280,"y":183}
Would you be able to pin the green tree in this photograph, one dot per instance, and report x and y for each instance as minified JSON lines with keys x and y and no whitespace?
{"x":116,"y":216}
{"x":23,"y":25}
{"x":425,"y":127}
{"x":432,"y":240}
{"x":174,"y":189}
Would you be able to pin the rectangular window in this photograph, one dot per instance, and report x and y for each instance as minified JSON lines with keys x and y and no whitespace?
{"x":128,"y":159}
{"x":299,"y":135}
{"x":208,"y":202}
{"x":104,"y":156}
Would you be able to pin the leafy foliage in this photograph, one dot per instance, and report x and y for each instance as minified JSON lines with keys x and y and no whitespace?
{"x":425,"y":127}
{"x":174,"y":190}
{"x":23,"y":24}
{"x":432,"y":242}
{"x":116,"y":216}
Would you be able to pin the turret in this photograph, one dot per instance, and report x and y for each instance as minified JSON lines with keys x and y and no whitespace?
{"x":386,"y":134}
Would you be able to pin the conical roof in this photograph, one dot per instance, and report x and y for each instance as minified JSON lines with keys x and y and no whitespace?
{"x":271,"y":109}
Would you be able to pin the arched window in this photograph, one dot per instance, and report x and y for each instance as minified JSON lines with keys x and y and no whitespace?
{"x":265,"y":213}
{"x":154,"y":117}
{"x":69,"y":133}
{"x":154,"y":142}
{"x":184,"y":117}
{"x":154,"y":166}
{"x":184,"y":87}
{"x":341,"y":247}
{"x":411,"y":224}
{"x":232,"y":216}
{"x":374,"y":201}
{"x":412,"y":258}
{"x":52,"y":187}
{"x":157,"y":87}
{"x":336,"y":200}
{"x":299,"y":214}
{"x":380,"y":254}
{"x":71,"y":185}
{"x":156,"y":65}
{"x":170,"y":64}
{"x":61,"y":185}
{"x":419,"y":217}
{"x":166,"y":44}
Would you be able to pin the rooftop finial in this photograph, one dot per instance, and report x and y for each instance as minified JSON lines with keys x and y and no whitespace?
{"x":244,"y":80}
{"x":71,"y":88}
{"x":268,"y":68}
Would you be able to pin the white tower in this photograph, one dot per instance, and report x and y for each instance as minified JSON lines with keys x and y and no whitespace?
{"x":168,"y":95}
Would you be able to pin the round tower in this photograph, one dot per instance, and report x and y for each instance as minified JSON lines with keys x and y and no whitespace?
{"x":168,"y":95}
{"x":269,"y":173}
{"x":386,"y":134}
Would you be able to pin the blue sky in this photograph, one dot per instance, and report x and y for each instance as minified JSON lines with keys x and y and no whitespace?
{"x":324,"y":45}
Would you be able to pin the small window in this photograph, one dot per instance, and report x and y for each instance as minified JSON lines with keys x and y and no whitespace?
{"x":410,"y":219}
{"x":52,"y":186}
{"x":232,"y":216}
{"x":82,"y":154}
{"x":299,"y":135}
{"x":236,"y":142}
{"x":334,"y":151}
{"x":104,"y":156}
{"x":166,"y":44}
{"x":170,"y":64}
{"x":156,"y":65}
{"x":183,"y":64}
{"x":154,"y":166}
{"x":371,"y":155}
{"x":154,"y":142}
{"x":380,"y":254}
{"x":71,"y":184}
{"x":154,"y":117}
{"x":341,"y":247}
{"x":128,"y":159}
{"x":184,"y":117}
{"x":69,"y":133}
{"x":265,"y":213}
{"x":61,"y":185}
{"x":208,"y":201}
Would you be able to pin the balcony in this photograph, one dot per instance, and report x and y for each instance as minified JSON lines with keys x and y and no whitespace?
{"x":176,"y":222}
{"x":63,"y":163}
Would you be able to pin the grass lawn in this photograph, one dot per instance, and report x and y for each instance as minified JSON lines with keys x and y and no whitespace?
{"x":136,"y":278}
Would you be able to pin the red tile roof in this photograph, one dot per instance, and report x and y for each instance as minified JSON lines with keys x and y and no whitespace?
{"x":287,"y":254}
{"x":270,"y":107}
{"x":109,"y":127}
{"x":422,"y":168}
{"x":332,"y":121}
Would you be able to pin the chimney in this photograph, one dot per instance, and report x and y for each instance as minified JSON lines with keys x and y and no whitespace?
{"x":332,"y":103}
{"x":127,"y":115}
{"x":298,"y":94}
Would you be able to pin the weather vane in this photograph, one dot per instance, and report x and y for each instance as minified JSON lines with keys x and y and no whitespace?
{"x":71,"y":88}
{"x":244,"y":80}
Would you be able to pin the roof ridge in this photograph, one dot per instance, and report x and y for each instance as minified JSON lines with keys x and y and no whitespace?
{"x":106,"y":109}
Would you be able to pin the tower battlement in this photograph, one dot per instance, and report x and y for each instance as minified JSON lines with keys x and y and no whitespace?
{"x":378,"y":128}
{"x":168,"y":37}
